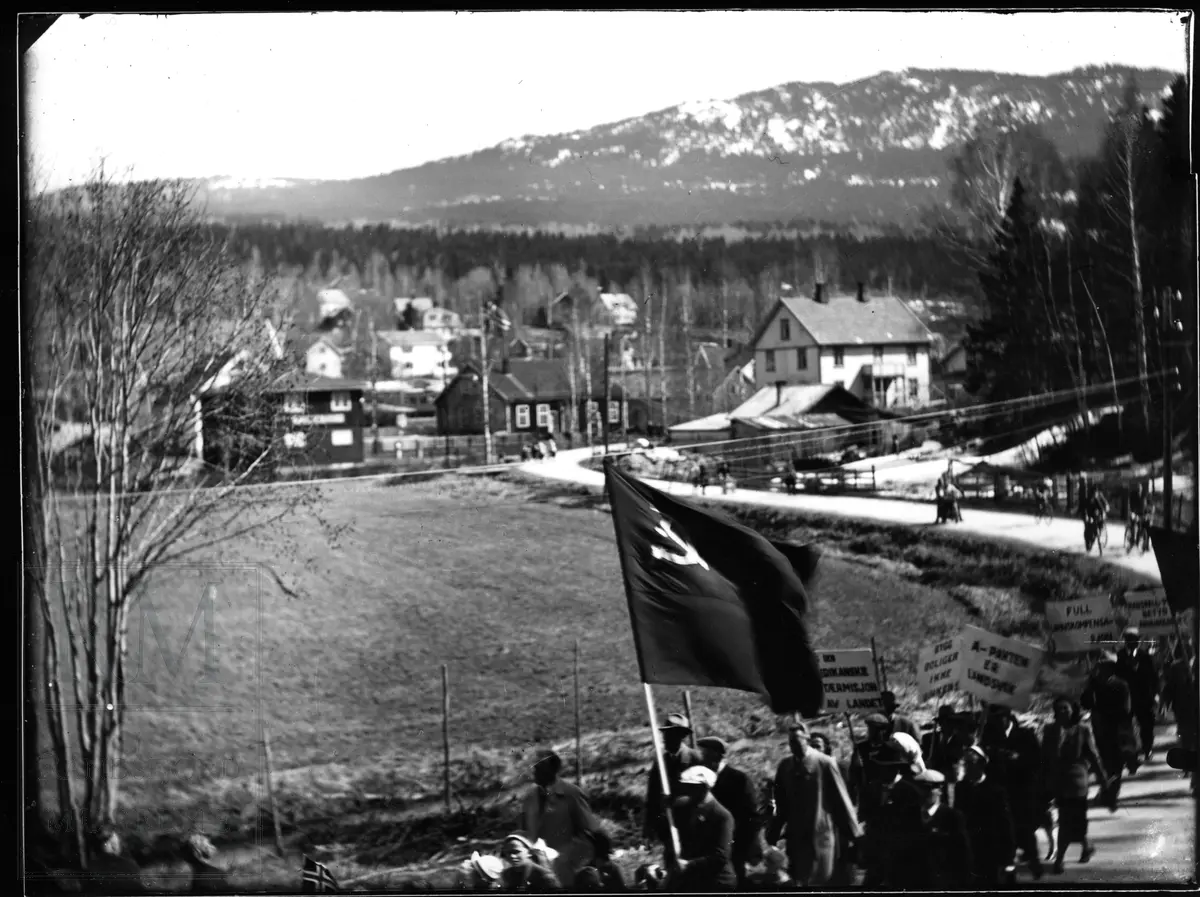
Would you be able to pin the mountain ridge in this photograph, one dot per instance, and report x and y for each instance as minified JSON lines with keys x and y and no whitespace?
{"x":872,"y":150}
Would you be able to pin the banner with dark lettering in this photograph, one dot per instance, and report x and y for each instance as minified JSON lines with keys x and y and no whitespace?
{"x":997,"y":669}
{"x":1083,"y":624}
{"x":851,"y":685}
{"x":1148,"y":610}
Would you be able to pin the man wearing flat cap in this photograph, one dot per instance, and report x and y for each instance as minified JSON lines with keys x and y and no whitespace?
{"x":736,"y":793}
{"x":868,"y":776}
{"x":558,"y":813}
{"x":677,"y":757}
{"x":1107,"y":696}
{"x":1136,"y":667}
{"x":705,"y":836}
{"x":983,"y":803}
{"x":933,"y":852}
{"x":813,"y":811}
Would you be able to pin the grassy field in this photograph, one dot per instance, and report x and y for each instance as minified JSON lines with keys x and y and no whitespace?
{"x":497,"y":581}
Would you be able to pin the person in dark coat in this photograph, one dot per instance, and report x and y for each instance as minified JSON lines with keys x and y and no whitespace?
{"x":736,"y":793}
{"x":1070,"y":754}
{"x":603,"y":874}
{"x":933,"y":851}
{"x":898,"y":722}
{"x":677,"y":757}
{"x":869,"y":776}
{"x":943,"y":747}
{"x":813,"y":812}
{"x":1107,"y":697}
{"x":705,"y":836}
{"x":983,"y":803}
{"x":1136,"y":667}
{"x":1015,"y":759}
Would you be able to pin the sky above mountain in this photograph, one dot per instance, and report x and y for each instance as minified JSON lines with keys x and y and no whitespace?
{"x":343,"y":95}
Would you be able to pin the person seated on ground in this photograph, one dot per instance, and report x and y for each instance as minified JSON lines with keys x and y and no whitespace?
{"x":196,"y":851}
{"x":649,"y":877}
{"x":773,"y":876}
{"x":526,"y":867}
{"x":602,"y":874}
{"x":480,"y":873}
{"x":109,"y":872}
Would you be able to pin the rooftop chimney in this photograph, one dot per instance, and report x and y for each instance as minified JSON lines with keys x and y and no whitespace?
{"x":819,"y":292}
{"x":778,"y":393}
{"x":862,"y":297}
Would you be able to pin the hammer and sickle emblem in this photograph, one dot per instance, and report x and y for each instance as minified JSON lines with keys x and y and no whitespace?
{"x":687,"y":554}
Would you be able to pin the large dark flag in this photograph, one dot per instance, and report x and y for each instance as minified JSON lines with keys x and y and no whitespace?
{"x":1177,"y":565}
{"x":713,"y":603}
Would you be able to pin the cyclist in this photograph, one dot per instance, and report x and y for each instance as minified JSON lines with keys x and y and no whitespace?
{"x":1041,"y":494}
{"x":1137,"y":510}
{"x":1095,"y":511}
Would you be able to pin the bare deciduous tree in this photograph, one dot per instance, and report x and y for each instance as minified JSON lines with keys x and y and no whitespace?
{"x":144,"y":333}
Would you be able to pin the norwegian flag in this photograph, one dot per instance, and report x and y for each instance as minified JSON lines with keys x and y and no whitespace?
{"x":317,"y":878}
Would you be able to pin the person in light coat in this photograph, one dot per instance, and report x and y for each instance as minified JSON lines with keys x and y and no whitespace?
{"x":558,"y":813}
{"x":812,"y":810}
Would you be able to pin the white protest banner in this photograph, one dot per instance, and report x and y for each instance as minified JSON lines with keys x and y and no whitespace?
{"x":939,"y":667}
{"x":1149,"y":612}
{"x":999,"y":670}
{"x":1082,"y":624}
{"x":849,"y":679}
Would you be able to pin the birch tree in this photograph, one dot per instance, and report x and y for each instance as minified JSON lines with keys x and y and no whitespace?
{"x":136,"y":307}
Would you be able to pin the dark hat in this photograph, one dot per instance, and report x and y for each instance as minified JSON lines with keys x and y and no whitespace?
{"x":878,"y":719}
{"x":675,"y":721}
{"x":716,"y":745}
{"x":547,"y":756}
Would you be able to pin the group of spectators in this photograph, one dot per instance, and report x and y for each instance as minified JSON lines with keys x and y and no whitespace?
{"x":958,"y":806}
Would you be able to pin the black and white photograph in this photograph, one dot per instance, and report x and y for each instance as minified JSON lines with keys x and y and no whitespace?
{"x":608,"y":450}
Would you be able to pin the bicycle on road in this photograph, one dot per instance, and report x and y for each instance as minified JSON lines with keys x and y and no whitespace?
{"x":1042,"y":510}
{"x":1136,"y":534}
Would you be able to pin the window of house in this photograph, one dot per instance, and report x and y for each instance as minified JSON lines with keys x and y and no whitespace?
{"x":342,"y":437}
{"x":785,"y":329}
{"x":839,"y":357}
{"x":802,"y":359}
{"x":340,"y":402}
{"x":543,"y":417}
{"x":770,"y":361}
{"x":293,"y":403}
{"x":914,"y":389}
{"x":879,"y":354}
{"x":295,"y":440}
{"x":522,"y":417}
{"x":614,"y":412}
{"x":912,"y":355}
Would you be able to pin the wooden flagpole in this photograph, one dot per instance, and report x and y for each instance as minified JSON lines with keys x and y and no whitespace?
{"x":687,"y":708}
{"x":266,"y":742}
{"x":662,"y":767}
{"x":880,"y":673}
{"x":578,"y":728}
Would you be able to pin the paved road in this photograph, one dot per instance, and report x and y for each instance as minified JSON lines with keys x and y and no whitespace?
{"x":1061,"y":535}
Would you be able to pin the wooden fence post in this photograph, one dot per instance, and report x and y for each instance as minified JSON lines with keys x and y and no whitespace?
{"x":578,"y":726}
{"x":266,"y":742}
{"x":446,"y":737}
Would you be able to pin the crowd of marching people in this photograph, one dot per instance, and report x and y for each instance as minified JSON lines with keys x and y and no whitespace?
{"x":957,"y":806}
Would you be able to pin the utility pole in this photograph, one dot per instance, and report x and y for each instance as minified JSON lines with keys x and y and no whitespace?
{"x":485,"y":399}
{"x":376,"y":443}
{"x":621,"y":343}
{"x":1166,"y":314}
{"x":607,"y":393}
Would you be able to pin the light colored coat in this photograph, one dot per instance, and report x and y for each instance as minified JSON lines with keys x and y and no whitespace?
{"x":814,"y":813}
{"x":564,"y":826}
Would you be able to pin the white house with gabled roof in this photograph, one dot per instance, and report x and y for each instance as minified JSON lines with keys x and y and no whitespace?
{"x":873,"y":345}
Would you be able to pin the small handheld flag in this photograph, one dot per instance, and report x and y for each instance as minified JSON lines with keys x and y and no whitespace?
{"x":317,"y":878}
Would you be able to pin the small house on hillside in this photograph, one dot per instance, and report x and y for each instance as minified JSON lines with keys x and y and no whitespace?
{"x":873,"y":346}
{"x":417,"y":353}
{"x":326,"y":354}
{"x":949,"y":374}
{"x":526,"y":397}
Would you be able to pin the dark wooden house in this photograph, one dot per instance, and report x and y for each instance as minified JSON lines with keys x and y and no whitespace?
{"x":308,"y":421}
{"x":527,"y":396}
